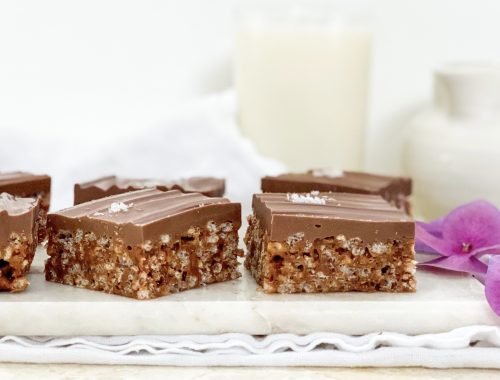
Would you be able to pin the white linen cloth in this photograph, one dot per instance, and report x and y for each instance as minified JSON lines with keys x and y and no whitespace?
{"x":200,"y":138}
{"x":473,"y":346}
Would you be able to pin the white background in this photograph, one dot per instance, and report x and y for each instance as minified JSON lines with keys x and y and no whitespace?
{"x":109,"y":67}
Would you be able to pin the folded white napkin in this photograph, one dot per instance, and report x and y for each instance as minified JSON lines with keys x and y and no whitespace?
{"x":474,"y":346}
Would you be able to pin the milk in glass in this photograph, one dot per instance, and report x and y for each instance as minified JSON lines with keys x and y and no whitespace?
{"x":302,"y":81}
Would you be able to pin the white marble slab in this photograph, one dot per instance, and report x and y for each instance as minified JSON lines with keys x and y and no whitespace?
{"x":442,"y":302}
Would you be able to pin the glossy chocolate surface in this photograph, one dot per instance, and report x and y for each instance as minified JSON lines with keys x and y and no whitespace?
{"x":337,"y":181}
{"x":142,"y":215}
{"x":113,"y":185}
{"x":368,"y":217}
{"x":16,"y":215}
{"x":24,"y":184}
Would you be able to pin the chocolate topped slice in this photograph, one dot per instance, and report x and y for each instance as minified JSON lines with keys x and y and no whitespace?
{"x":145,"y":243}
{"x":23,"y":184}
{"x":393,"y":189}
{"x":321,"y":215}
{"x":328,"y":242}
{"x":17,"y":215}
{"x":146,"y":214}
{"x":18,"y":239}
{"x":113,"y":185}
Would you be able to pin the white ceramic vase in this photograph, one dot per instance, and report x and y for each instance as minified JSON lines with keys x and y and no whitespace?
{"x":452,"y":149}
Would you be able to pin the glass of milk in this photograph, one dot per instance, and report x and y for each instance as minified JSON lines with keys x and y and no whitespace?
{"x":301,"y":75}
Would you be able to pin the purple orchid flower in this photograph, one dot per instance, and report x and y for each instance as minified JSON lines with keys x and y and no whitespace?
{"x":461,"y":238}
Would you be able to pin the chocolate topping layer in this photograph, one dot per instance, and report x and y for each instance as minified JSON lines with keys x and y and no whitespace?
{"x":16,"y":215}
{"x":113,"y":185}
{"x":24,"y":184}
{"x":336,"y":181}
{"x":142,"y":215}
{"x":368,"y":217}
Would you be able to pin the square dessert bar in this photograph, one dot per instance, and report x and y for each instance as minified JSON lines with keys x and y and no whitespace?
{"x":329,"y":242}
{"x":18,"y":240}
{"x":145,"y":244}
{"x":394,"y":190}
{"x":113,"y":185}
{"x":22,"y":184}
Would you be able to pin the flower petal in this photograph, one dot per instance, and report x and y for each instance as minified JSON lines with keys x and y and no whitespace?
{"x":457,"y":263}
{"x":434,"y":228}
{"x":476,"y":223}
{"x":422,"y":247}
{"x":491,"y":250}
{"x":492,"y":284}
{"x":435,"y":244}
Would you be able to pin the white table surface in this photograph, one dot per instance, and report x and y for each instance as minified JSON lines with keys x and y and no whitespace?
{"x":75,"y":371}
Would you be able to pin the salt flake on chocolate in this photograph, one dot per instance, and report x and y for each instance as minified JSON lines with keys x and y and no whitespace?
{"x":97,"y":213}
{"x":118,"y":207}
{"x":306,"y":198}
{"x":328,"y":172}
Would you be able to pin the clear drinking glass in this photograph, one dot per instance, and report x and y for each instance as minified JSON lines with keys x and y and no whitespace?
{"x":301,"y":74}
